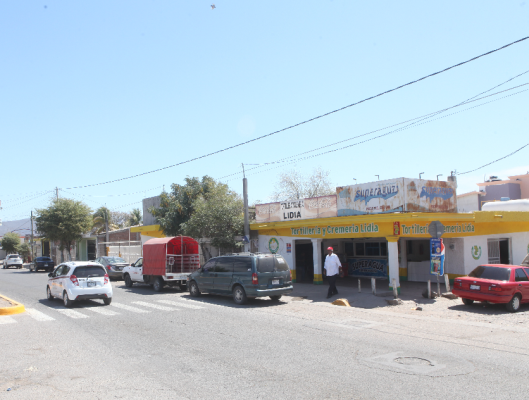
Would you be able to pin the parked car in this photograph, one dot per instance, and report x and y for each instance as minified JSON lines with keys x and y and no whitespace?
{"x":243,"y":276}
{"x":13,"y":260}
{"x":79,"y":280}
{"x":42,"y":263}
{"x":114,"y":266}
{"x":495,"y":283}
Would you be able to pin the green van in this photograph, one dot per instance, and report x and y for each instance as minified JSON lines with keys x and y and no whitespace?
{"x":243,"y":276}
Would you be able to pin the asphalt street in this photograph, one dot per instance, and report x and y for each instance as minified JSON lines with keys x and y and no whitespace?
{"x":149,"y":345}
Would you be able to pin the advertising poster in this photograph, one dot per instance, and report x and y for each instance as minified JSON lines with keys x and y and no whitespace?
{"x":367,"y":267}
{"x":437,"y":257}
{"x":315,"y":207}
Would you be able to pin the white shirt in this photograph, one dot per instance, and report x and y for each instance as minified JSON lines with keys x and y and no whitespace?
{"x":332,"y":264}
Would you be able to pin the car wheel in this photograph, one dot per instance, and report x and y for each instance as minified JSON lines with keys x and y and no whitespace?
{"x":158,"y":284}
{"x":107,"y":301}
{"x":193,"y":289}
{"x":48,"y":293}
{"x":275,"y":298}
{"x":128,"y":281}
{"x":67,"y":302}
{"x":514,"y":304}
{"x":467,"y":302}
{"x":239,"y":295}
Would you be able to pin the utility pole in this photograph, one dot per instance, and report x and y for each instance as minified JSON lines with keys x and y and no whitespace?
{"x":32,"y":251}
{"x":246,"y":220}
{"x":106,"y":232}
{"x":57,"y":193}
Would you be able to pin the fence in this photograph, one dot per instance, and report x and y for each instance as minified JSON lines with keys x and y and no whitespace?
{"x":129,"y":250}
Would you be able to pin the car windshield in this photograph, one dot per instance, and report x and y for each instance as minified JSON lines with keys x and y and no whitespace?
{"x":115,"y":260}
{"x":92,"y":270}
{"x":271,"y":264}
{"x":13,"y":256}
{"x":493,"y":273}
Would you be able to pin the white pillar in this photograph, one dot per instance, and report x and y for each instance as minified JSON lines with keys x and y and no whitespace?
{"x":316,"y":256}
{"x":393,"y":260}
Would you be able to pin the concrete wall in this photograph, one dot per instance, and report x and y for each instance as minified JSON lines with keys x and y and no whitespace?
{"x":468,"y":203}
{"x":496,"y":192}
{"x":283,"y":240}
{"x":148,"y":218}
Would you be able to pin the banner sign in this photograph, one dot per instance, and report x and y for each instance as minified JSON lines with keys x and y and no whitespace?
{"x":395,"y":195}
{"x":367,"y":267}
{"x":437,"y":257}
{"x":315,"y":207}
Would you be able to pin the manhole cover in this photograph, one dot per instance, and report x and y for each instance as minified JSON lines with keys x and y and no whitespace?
{"x":413,"y":361}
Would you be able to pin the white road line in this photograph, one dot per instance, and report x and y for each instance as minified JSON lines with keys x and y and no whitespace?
{"x":180,"y":304}
{"x":71,"y":313}
{"x":129,"y":308}
{"x":38,"y":315}
{"x":145,"y":304}
{"x":4,"y":319}
{"x":101,"y":310}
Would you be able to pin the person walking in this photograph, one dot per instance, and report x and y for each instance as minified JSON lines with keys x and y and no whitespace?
{"x":332,"y":270}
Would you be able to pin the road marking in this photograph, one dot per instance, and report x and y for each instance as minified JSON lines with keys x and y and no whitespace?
{"x":7,"y":320}
{"x":180,"y":304}
{"x":38,"y":315}
{"x":71,"y":313}
{"x":129,"y":308}
{"x":103,"y":311}
{"x":145,"y":304}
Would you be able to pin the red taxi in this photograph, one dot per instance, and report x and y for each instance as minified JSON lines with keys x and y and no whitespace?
{"x":495,"y":283}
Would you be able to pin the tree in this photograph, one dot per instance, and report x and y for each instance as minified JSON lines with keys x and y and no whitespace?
{"x":10,"y":242}
{"x":100,"y":217}
{"x":64,"y":221}
{"x":218,"y":216}
{"x":177,"y":206}
{"x":24,"y":250}
{"x":293,"y":185}
{"x":135,"y":217}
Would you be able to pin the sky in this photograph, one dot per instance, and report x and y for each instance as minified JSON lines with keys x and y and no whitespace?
{"x":99,"y":91}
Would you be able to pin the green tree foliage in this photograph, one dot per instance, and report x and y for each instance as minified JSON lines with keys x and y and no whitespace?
{"x":10,"y":242}
{"x":218,"y":216}
{"x":177,"y":206}
{"x":64,"y":221}
{"x":24,"y":250}
{"x":101,"y":215}
{"x":135,"y":217}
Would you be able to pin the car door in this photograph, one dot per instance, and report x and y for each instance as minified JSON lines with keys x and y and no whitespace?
{"x":206,"y":275}
{"x":136,"y":271}
{"x":54,"y":280}
{"x":62,"y":280}
{"x":223,"y":274}
{"x":522,"y":279}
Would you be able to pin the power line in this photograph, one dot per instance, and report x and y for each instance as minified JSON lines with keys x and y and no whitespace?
{"x":385,"y":134}
{"x":421,"y":118}
{"x":111,"y":195}
{"x":306,"y":121}
{"x":492,"y":162}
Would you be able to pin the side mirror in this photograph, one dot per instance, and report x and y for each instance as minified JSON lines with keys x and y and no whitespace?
{"x":50,"y":274}
{"x":133,"y":264}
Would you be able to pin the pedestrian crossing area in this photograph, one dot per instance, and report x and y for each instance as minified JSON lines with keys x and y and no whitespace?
{"x":86,"y":310}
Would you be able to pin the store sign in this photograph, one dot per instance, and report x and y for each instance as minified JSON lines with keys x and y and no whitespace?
{"x":396,"y":195}
{"x":335,"y":230}
{"x":418,"y":229}
{"x":316,"y":207}
{"x":367,"y":267}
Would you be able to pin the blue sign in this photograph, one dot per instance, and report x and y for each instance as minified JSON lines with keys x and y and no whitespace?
{"x":384,"y":193}
{"x":432,"y":192}
{"x":367,"y":267}
{"x":437,"y":257}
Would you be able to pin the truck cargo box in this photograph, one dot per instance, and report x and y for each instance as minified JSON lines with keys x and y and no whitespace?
{"x":177,"y":254}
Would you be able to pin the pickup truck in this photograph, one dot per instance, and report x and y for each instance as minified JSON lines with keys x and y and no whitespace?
{"x":165,"y":261}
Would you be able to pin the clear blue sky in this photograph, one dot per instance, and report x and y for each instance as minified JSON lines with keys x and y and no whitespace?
{"x":101,"y":90}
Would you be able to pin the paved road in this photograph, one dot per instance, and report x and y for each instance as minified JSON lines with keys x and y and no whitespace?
{"x":166,"y":345}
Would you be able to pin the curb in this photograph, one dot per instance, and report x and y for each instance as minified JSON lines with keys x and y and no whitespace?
{"x":16,"y":307}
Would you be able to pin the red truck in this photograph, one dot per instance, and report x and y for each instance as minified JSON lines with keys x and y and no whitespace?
{"x":165,"y":261}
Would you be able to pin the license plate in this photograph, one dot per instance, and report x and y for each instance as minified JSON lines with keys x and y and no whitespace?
{"x":45,"y":265}
{"x":89,"y":284}
{"x":475,"y":287}
{"x":275,"y":281}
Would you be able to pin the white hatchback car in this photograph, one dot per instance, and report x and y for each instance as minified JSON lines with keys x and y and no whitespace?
{"x":79,"y":280}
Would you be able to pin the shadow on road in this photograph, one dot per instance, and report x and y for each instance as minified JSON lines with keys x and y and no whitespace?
{"x":487,"y":309}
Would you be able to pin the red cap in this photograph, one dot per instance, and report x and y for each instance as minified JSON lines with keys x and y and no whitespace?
{"x":330,"y":248}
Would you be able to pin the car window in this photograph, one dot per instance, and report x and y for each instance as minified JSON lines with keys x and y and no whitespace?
{"x":58,"y":271}
{"x":242,"y":264}
{"x":281,"y":264}
{"x":92,"y":270}
{"x":493,"y":273}
{"x":65,"y":270}
{"x":519,"y":275}
{"x":139,"y":263}
{"x":224,"y":264}
{"x":210,"y":265}
{"x":265,"y":264}
{"x":115,"y":260}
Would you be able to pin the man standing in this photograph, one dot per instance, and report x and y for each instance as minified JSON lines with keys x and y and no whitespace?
{"x":332,"y":270}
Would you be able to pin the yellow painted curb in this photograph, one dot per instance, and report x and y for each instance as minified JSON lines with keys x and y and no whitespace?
{"x":341,"y":302}
{"x":16,"y":307}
